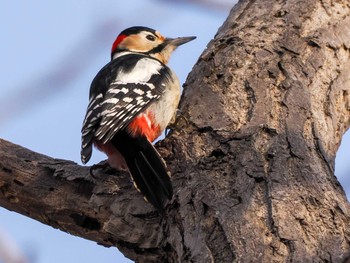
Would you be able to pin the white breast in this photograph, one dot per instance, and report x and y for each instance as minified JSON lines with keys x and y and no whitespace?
{"x":165,"y":108}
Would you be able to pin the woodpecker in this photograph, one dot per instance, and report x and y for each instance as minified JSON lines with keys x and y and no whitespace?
{"x":132,"y":100}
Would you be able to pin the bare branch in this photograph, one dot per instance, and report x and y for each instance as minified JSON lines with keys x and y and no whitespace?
{"x":62,"y":194}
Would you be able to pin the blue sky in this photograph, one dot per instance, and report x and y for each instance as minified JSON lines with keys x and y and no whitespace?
{"x":45,"y":42}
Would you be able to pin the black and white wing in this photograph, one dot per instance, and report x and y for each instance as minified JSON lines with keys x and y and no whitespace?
{"x":122,"y":89}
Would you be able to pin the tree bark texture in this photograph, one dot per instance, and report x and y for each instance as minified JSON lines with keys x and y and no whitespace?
{"x":253,"y":168}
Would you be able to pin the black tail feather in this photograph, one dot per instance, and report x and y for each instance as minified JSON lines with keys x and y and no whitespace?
{"x":147,"y":168}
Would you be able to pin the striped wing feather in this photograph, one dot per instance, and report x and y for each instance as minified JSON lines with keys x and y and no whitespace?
{"x":120,"y":91}
{"x":121,"y":105}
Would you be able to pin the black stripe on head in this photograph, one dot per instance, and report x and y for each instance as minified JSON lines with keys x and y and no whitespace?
{"x":137,"y":29}
{"x":157,"y":49}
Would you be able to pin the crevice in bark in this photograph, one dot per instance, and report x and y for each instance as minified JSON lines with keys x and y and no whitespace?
{"x":330,"y":162}
{"x":251,"y":98}
{"x":216,"y":240}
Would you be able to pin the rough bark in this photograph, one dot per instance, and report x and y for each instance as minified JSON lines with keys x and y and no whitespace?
{"x":253,"y":169}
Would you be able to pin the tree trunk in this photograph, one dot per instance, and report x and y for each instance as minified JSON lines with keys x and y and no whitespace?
{"x":252,"y":168}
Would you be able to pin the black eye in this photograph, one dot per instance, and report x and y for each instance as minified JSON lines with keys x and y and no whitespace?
{"x":150,"y":37}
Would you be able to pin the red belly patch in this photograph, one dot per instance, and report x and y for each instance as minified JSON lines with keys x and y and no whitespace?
{"x":144,"y":124}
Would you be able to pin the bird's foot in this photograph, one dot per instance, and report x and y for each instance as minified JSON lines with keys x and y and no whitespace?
{"x":176,"y":122}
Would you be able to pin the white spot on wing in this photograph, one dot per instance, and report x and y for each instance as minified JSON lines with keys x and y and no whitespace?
{"x":129,"y":106}
{"x":124,"y":90}
{"x":114,"y":91}
{"x":150,"y":95}
{"x":87,"y":116}
{"x":105,"y":112}
{"x":139,"y":91}
{"x":111,"y":100}
{"x":136,"y":109}
{"x":93,"y":99}
{"x":128,"y":99}
{"x":151,"y":86}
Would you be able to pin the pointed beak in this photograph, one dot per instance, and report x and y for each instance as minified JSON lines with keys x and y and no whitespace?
{"x":178,"y":41}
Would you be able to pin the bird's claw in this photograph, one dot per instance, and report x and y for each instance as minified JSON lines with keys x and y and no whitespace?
{"x":174,"y":123}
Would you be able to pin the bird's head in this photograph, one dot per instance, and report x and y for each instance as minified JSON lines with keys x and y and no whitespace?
{"x":147,"y":41}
